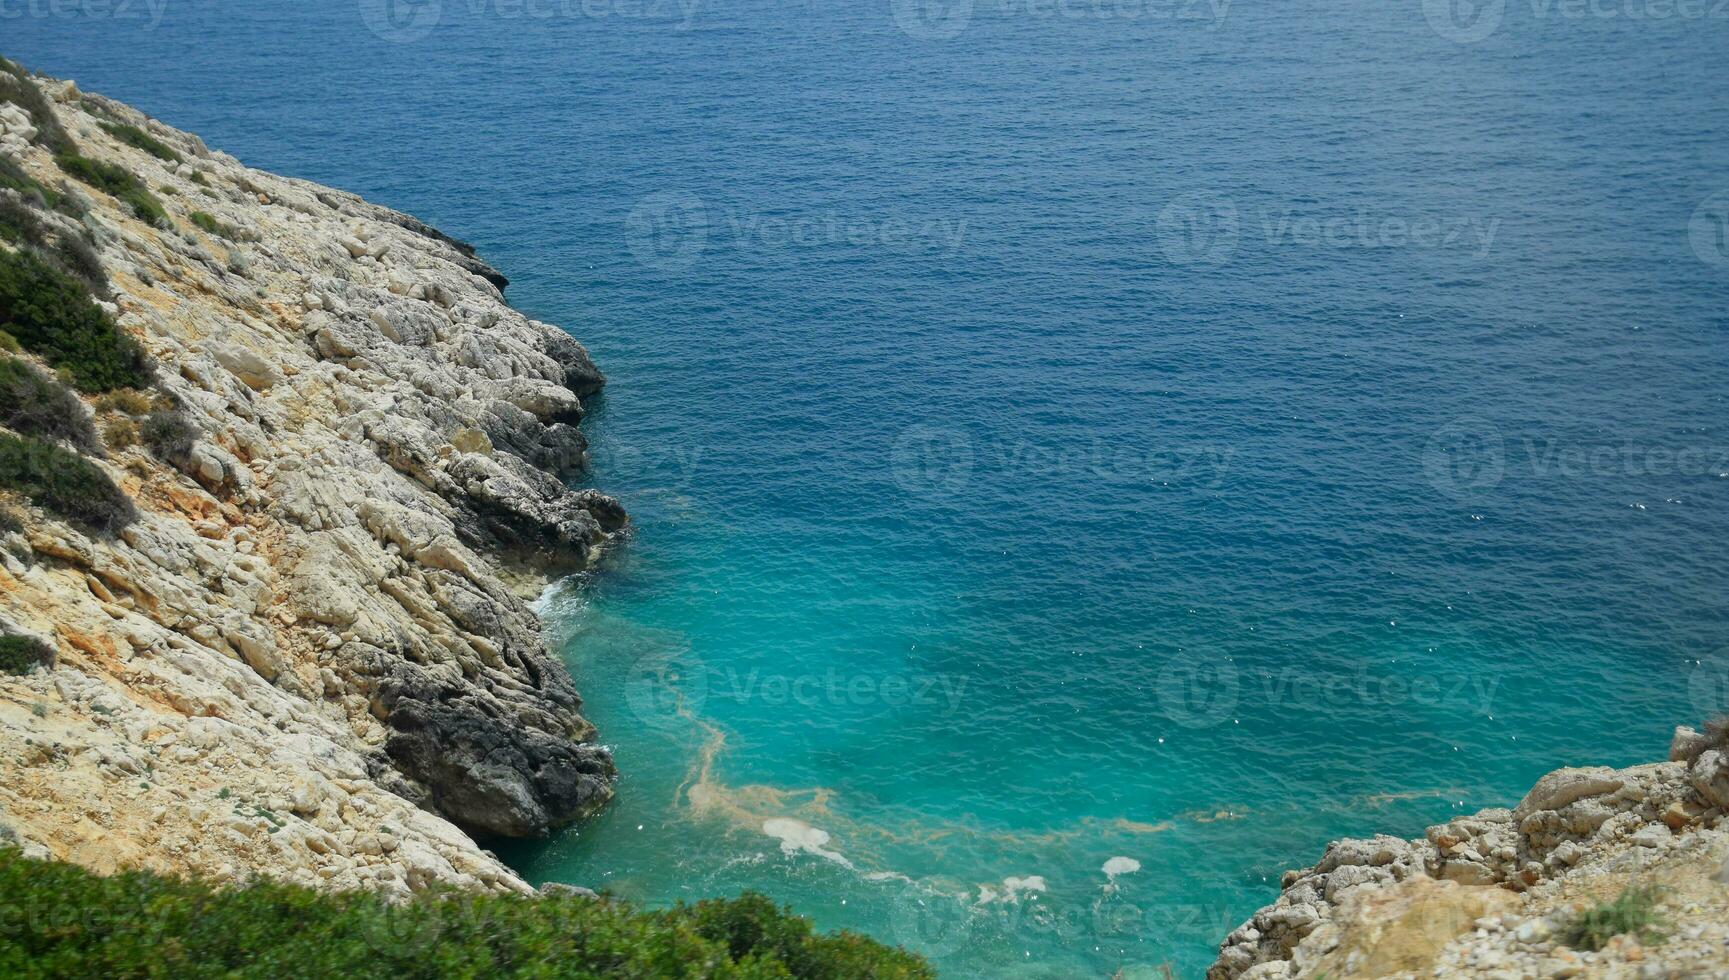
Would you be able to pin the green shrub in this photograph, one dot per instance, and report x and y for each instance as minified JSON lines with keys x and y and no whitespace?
{"x":63,"y":483}
{"x":133,"y":136}
{"x":210,"y":224}
{"x":118,"y":182}
{"x":19,"y":655}
{"x":13,"y":176}
{"x":34,"y":404}
{"x":169,"y":434}
{"x":15,"y":86}
{"x":1633,"y":912}
{"x":62,"y":921}
{"x":50,"y":314}
{"x":199,"y":178}
{"x":77,"y":256}
{"x":18,"y":224}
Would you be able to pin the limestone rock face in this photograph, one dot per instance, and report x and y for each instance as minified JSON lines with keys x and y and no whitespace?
{"x":316,"y":637}
{"x":1486,"y":895}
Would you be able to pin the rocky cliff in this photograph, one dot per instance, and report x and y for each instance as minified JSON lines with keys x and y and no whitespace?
{"x":308,"y":651}
{"x":1500,"y":893}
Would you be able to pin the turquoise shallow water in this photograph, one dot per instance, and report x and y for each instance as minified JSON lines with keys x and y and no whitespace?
{"x":1184,"y":438}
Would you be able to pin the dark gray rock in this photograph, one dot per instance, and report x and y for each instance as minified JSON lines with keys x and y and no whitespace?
{"x":488,"y":769}
{"x":580,"y":374}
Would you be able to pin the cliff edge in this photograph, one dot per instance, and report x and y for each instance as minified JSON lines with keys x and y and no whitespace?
{"x":301,"y":644}
{"x":1597,"y":872}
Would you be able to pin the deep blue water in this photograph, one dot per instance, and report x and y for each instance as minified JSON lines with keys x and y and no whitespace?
{"x":1151,"y":430}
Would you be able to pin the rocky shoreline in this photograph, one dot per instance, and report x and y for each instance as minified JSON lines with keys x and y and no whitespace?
{"x":310,"y":653}
{"x":1493,"y":895}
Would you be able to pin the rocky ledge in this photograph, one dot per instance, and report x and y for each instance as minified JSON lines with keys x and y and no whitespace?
{"x":310,"y":651}
{"x":1494,"y":894}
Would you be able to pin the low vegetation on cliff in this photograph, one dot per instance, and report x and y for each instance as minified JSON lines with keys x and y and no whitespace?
{"x":53,"y":316}
{"x":62,"y":921}
{"x":20,"y":655}
{"x":117,"y":182}
{"x":34,"y":404}
{"x":64,"y":483}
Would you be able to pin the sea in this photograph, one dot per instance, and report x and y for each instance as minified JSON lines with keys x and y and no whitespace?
{"x":1084,"y":455}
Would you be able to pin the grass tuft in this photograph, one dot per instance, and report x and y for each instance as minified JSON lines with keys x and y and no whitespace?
{"x":210,"y":225}
{"x":135,"y":137}
{"x":1632,"y":913}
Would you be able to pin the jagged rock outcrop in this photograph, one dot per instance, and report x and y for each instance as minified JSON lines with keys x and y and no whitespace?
{"x":311,"y":654}
{"x":1491,"y":894}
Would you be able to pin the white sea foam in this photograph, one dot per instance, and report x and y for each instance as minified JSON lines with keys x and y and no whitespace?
{"x":796,"y":836}
{"x":1012,"y":887}
{"x":1120,"y":866}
